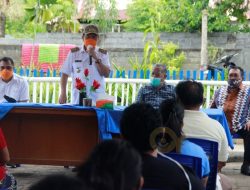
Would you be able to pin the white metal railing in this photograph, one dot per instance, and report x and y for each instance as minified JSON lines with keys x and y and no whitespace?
{"x":47,"y":89}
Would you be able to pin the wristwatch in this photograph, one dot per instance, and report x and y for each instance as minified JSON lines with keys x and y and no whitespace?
{"x":98,"y":61}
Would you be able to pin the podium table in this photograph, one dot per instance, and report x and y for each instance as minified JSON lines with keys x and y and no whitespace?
{"x":49,"y":136}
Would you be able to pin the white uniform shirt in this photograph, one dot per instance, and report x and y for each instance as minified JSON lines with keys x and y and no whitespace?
{"x":16,"y":88}
{"x":74,"y":66}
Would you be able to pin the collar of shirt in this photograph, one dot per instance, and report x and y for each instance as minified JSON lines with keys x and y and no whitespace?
{"x":82,"y":50}
{"x":236,"y":89}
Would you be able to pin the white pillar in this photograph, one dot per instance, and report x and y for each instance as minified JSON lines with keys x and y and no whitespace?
{"x":204,"y":57}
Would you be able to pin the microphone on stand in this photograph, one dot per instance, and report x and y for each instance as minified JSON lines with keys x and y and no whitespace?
{"x":90,"y":57}
{"x":90,"y":60}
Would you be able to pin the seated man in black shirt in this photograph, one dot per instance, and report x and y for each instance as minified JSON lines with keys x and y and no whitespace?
{"x":138,"y":122}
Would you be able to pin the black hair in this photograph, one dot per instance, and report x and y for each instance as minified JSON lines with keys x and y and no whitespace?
{"x":59,"y":182}
{"x":137,"y":123}
{"x":113,"y":165}
{"x":190,"y":93}
{"x":235,"y":68}
{"x":172,"y":114}
{"x":7,"y":60}
{"x":163,"y":68}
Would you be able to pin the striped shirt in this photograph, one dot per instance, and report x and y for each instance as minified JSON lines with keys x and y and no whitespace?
{"x":154,"y":95}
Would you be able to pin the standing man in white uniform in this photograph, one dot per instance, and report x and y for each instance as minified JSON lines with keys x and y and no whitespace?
{"x":13,"y":88}
{"x":90,"y":57}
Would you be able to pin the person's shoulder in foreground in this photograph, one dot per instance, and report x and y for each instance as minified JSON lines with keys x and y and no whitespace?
{"x":138,"y":122}
{"x":166,"y":174}
{"x":59,"y":182}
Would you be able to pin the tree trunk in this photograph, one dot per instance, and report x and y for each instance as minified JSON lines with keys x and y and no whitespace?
{"x":2,"y":24}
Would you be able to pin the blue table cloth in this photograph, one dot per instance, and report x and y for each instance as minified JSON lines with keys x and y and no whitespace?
{"x":217,"y":114}
{"x":109,"y":120}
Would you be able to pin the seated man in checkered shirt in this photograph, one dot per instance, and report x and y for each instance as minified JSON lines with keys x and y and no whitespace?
{"x":157,"y":90}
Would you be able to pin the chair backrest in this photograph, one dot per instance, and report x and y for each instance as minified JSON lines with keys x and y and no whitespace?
{"x":190,"y":161}
{"x":211,"y":149}
{"x":236,"y":136}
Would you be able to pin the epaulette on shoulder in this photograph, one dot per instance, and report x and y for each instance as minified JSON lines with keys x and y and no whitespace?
{"x":75,"y":49}
{"x":103,"y":51}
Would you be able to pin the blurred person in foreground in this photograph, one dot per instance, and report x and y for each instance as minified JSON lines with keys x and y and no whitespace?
{"x":113,"y":165}
{"x":138,"y":122}
{"x":59,"y":182}
{"x":198,"y":124}
{"x":172,"y":117}
{"x":7,"y":180}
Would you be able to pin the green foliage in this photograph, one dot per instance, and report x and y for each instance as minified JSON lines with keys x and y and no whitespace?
{"x":167,"y":16}
{"x":25,"y":18}
{"x":34,"y":17}
{"x":127,"y":88}
{"x":155,"y":51}
{"x":142,"y":13}
{"x":214,"y":53}
{"x":22,"y":28}
{"x":56,"y":16}
{"x":185,"y":16}
{"x":105,"y":16}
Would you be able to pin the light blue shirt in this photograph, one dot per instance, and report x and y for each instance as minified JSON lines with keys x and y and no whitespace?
{"x":191,"y":149}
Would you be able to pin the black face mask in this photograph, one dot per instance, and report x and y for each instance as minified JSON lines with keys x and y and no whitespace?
{"x":233,"y":83}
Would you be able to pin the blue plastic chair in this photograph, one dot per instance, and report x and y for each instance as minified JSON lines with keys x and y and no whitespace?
{"x":211,"y":149}
{"x":190,"y":161}
{"x":236,"y":136}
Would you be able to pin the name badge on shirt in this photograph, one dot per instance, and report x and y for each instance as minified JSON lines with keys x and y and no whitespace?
{"x":78,"y":61}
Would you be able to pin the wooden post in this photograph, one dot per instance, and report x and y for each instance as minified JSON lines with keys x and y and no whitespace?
{"x":2,"y":24}
{"x":204,"y":57}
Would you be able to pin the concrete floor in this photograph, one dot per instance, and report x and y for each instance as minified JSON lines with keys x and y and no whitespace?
{"x":240,"y":182}
{"x":26,"y":175}
{"x":29,"y":174}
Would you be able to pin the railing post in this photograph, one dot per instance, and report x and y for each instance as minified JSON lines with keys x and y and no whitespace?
{"x":21,"y":72}
{"x":135,"y":74}
{"x":148,"y":74}
{"x":168,"y":75}
{"x":142,"y":74}
{"x":27,"y":72}
{"x":181,"y":75}
{"x":174,"y":75}
{"x":111,"y":74}
{"x":201,"y":75}
{"x":194,"y":74}
{"x":188,"y":74}
{"x":129,"y":73}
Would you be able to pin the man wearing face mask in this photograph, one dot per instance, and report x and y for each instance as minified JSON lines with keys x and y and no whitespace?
{"x":13,"y":88}
{"x":90,"y":57}
{"x":234,"y":99}
{"x":157,"y":90}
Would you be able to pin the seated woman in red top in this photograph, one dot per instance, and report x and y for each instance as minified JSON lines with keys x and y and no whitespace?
{"x":7,"y":181}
